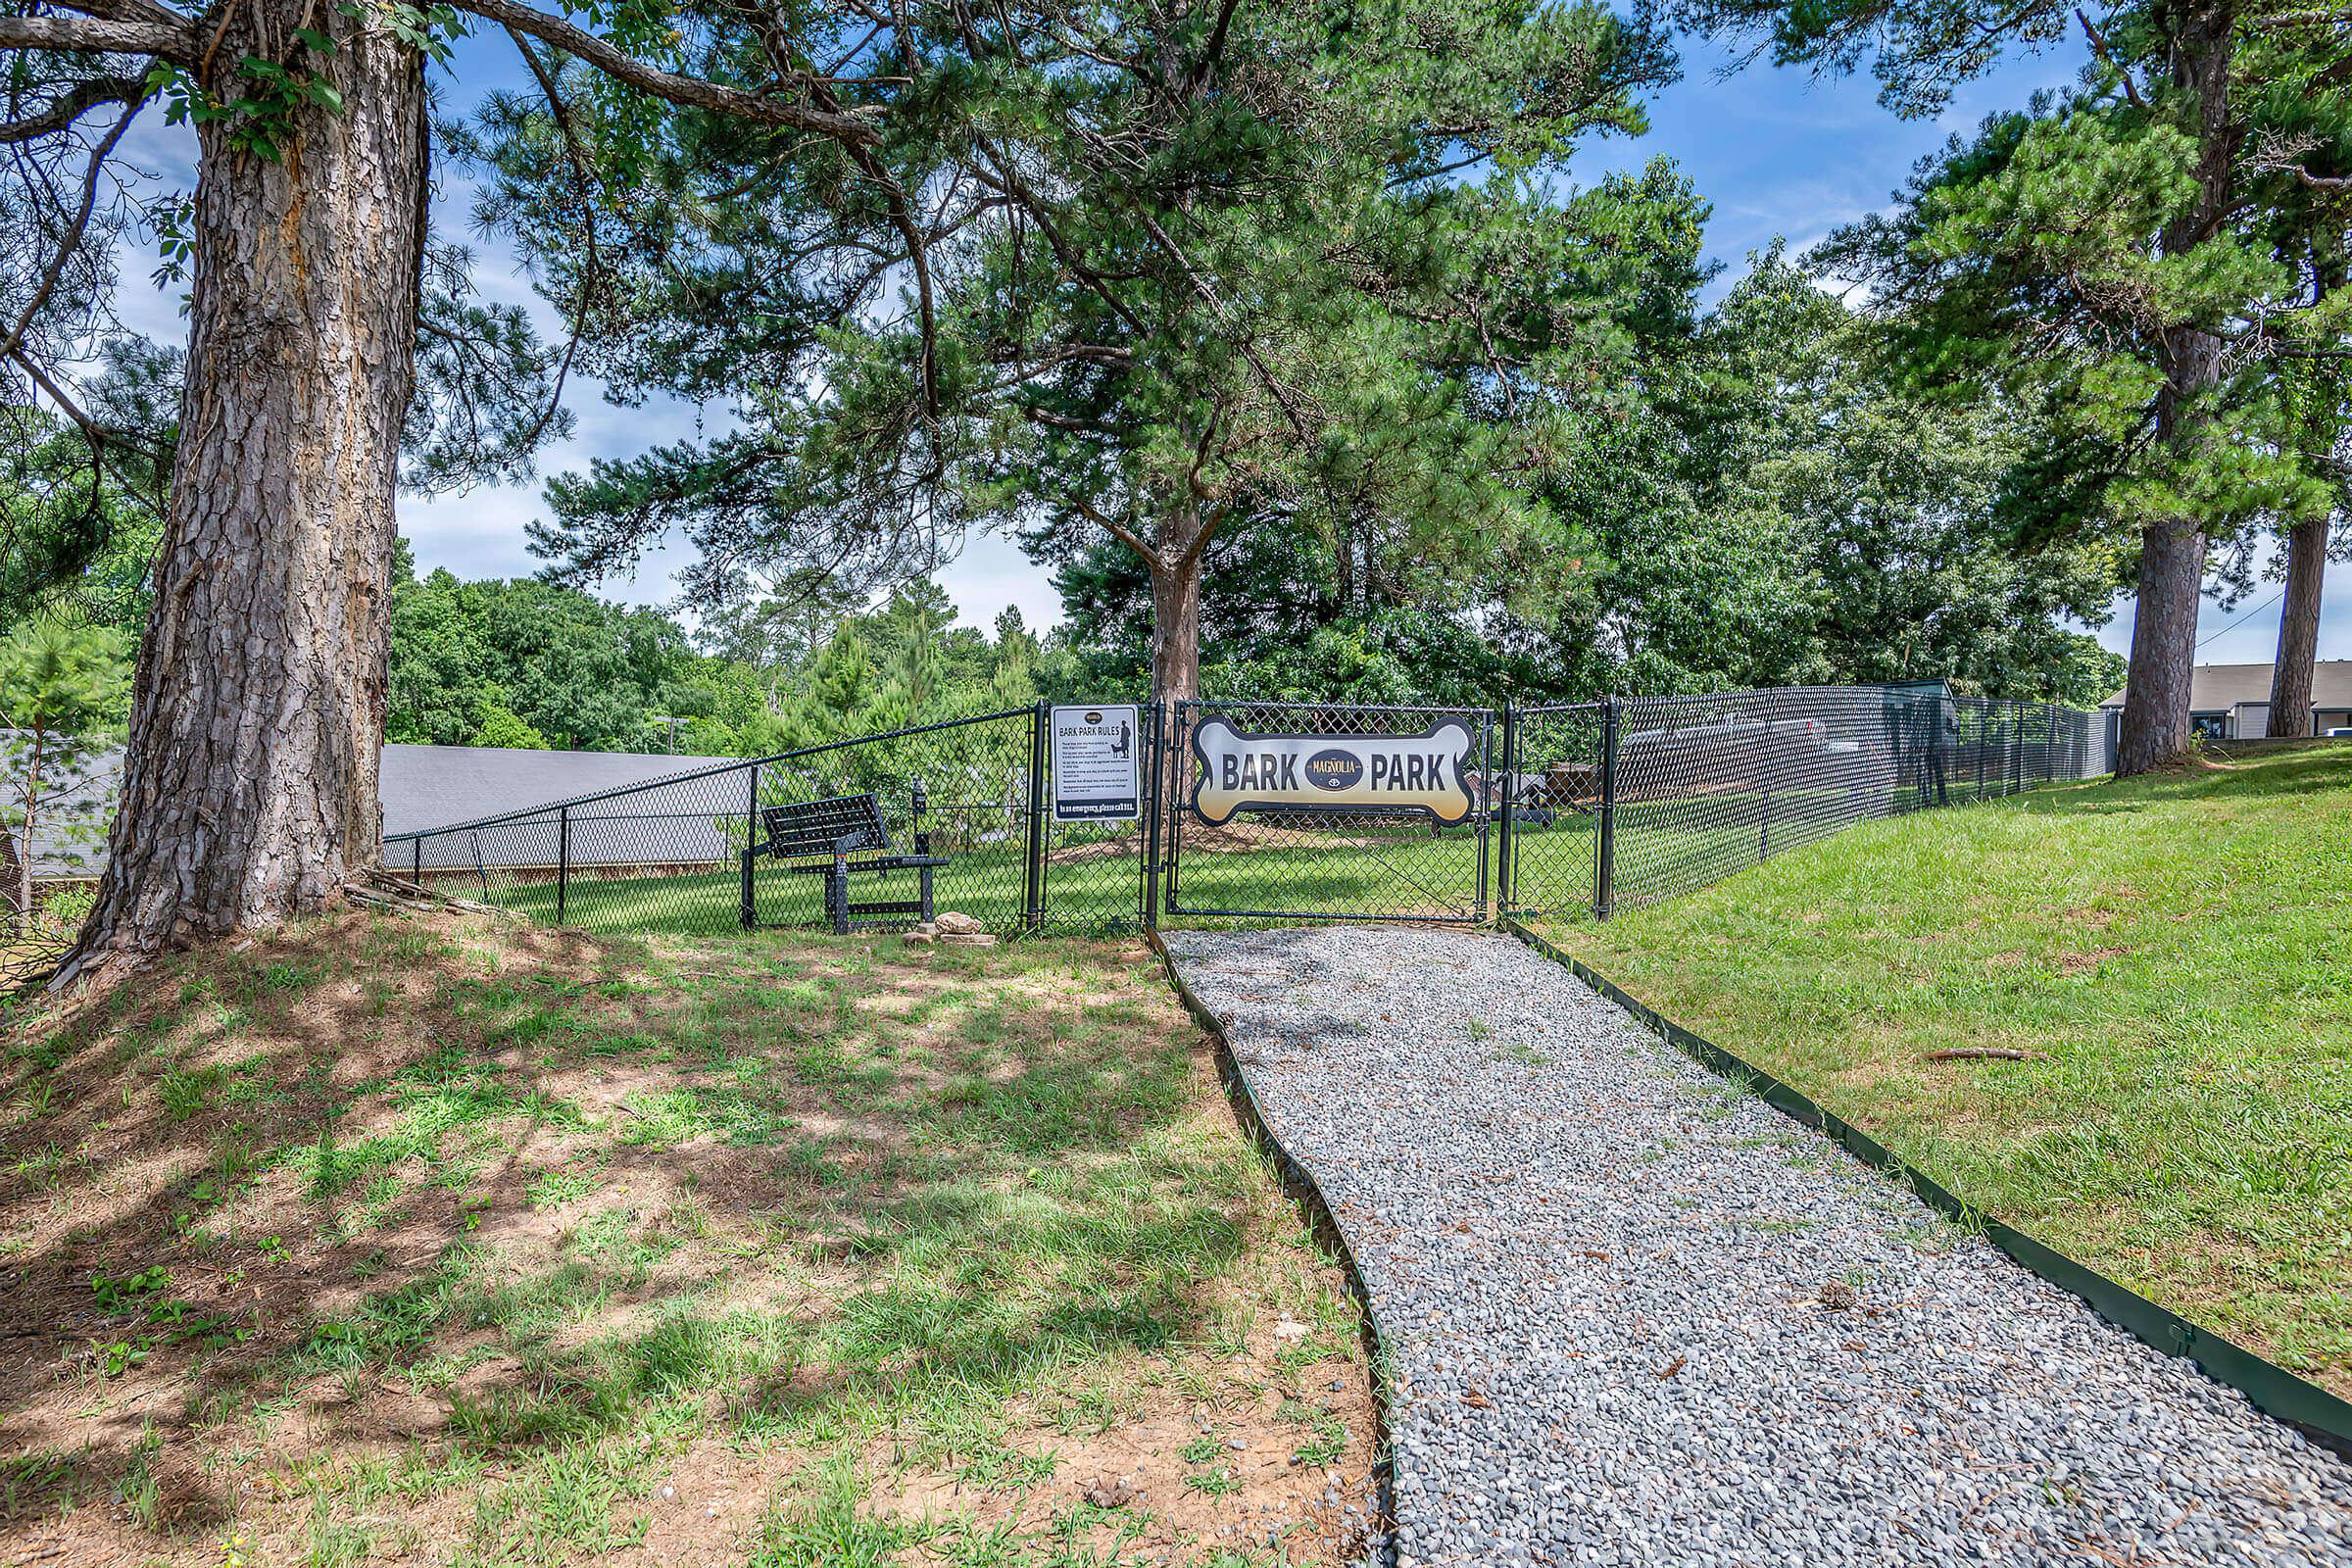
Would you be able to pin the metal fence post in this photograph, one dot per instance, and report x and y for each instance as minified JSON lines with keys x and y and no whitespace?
{"x":751,"y":836}
{"x":1983,"y":742}
{"x":1604,"y":856}
{"x":1481,"y":813}
{"x":417,"y":859}
{"x":1033,"y":908}
{"x":1173,"y":826}
{"x":563,"y":859}
{"x":1511,"y":793}
{"x":2017,"y":746}
{"x":1149,"y":893}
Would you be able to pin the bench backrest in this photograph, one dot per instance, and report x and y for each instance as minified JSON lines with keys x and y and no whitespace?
{"x":808,"y":828}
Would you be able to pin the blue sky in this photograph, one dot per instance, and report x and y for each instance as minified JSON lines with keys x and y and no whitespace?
{"x":1778,"y":153}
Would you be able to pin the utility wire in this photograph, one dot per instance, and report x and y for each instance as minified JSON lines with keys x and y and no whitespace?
{"x":2243,"y":619}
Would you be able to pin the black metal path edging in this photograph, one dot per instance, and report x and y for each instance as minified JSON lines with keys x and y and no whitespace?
{"x":2319,"y":1415}
{"x":1299,"y":1182}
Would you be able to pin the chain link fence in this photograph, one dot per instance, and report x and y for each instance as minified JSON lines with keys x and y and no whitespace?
{"x":696,"y":853}
{"x":1549,"y":798}
{"x":1568,"y":809}
{"x":1666,"y":795}
{"x":1561,"y":810}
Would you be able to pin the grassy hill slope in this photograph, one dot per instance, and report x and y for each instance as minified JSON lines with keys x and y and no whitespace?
{"x":446,"y":1241}
{"x":2178,"y":953}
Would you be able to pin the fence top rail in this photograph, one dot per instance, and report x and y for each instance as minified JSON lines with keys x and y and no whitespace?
{"x":695,"y":775}
{"x":1341,"y":708}
{"x":1878,"y":688}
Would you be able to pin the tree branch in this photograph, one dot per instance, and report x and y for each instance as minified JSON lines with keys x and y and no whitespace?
{"x":89,"y":35}
{"x":918,"y":257}
{"x":147,"y":11}
{"x":1119,"y":531}
{"x":2300,"y":19}
{"x":1215,"y":51}
{"x":2098,"y":46}
{"x":690,"y":92}
{"x":2315,"y":181}
{"x":72,"y":240}
{"x":69,"y":106}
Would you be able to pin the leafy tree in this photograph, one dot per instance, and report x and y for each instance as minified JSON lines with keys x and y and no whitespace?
{"x":2100,"y":258}
{"x":571,"y":671}
{"x":1013,"y":671}
{"x":914,"y":628}
{"x":78,"y":535}
{"x":841,"y":682}
{"x":330,"y":334}
{"x":1204,"y":258}
{"x":2310,"y":227}
{"x":1891,"y":558}
{"x":503,"y":726}
{"x":60,"y":688}
{"x":1769,"y":506}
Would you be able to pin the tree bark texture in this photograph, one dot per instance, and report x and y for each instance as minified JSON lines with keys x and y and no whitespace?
{"x":2172,"y":560}
{"x":249,"y":790}
{"x":1176,"y":629}
{"x":2172,"y":573}
{"x":1175,"y":560}
{"x":2299,"y":629}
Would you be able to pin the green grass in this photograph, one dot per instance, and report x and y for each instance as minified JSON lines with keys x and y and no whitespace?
{"x":2177,"y":947}
{"x":1387,"y":870}
{"x":460,"y":1240}
{"x":1390,"y":871}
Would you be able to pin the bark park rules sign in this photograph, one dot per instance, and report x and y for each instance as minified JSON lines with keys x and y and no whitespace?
{"x":1351,"y":774}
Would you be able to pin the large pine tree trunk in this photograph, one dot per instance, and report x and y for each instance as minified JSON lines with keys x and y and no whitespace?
{"x":2171,"y":559}
{"x":2163,"y":637}
{"x":1175,"y":565}
{"x":1176,"y":629}
{"x":2172,"y":578}
{"x":248,"y":789}
{"x":2298,"y":630}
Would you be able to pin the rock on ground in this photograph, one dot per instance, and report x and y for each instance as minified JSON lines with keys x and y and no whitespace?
{"x":1634,"y":1316}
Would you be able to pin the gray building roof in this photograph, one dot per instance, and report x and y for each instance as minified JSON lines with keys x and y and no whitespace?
{"x":422,"y":787}
{"x":2218,"y":688}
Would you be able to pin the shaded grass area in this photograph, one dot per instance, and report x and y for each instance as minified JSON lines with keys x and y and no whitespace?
{"x":2174,"y":950}
{"x":466,"y":1242}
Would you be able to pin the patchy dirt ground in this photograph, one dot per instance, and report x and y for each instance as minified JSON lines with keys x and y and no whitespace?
{"x":442,"y":1240}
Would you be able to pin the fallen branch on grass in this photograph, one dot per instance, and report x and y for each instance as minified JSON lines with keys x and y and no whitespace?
{"x":1986,"y":1053}
{"x":385,"y":890}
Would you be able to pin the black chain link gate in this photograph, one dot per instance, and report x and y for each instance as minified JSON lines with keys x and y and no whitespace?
{"x":1330,"y":863}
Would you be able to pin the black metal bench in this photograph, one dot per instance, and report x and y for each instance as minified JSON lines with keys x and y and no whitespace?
{"x":844,"y":834}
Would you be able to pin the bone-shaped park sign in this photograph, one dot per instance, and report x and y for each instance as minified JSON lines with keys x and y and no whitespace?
{"x":1351,"y":773}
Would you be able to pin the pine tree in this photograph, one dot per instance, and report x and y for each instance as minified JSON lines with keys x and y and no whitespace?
{"x":1206,"y":258}
{"x":2103,"y":258}
{"x":335,"y":346}
{"x":62,"y":688}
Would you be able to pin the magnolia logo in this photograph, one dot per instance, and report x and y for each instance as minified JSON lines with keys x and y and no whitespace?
{"x":1334,"y":769}
{"x":1364,"y":773}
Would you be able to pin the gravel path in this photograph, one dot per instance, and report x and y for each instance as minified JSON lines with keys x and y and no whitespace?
{"x":1636,"y":1317}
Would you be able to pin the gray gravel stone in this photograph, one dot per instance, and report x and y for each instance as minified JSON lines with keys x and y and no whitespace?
{"x":1599,"y":1272}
